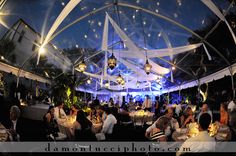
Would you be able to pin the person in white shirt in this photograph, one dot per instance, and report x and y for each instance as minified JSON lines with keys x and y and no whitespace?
{"x":202,"y":142}
{"x":147,"y":104}
{"x":178,"y":109}
{"x":59,"y":113}
{"x":231,"y":106}
{"x":204,"y":109}
{"x":108,"y":124}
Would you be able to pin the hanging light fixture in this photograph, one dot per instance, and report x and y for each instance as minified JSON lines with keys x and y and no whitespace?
{"x":137,"y":84}
{"x":82,"y":66}
{"x":119,"y":79}
{"x":158,"y":80}
{"x":122,"y":82}
{"x":112,"y":61}
{"x":147,"y":67}
{"x":89,"y":81}
{"x":107,"y":84}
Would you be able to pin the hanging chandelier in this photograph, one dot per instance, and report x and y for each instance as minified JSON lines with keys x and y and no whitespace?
{"x":82,"y":66}
{"x":119,"y":79}
{"x":158,"y":80}
{"x":122,"y":82}
{"x":137,"y":84}
{"x":147,"y":67}
{"x":89,"y":81}
{"x":112,"y":62}
{"x":107,"y":84}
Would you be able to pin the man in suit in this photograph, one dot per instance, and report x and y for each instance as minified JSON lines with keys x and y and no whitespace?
{"x":15,"y":128}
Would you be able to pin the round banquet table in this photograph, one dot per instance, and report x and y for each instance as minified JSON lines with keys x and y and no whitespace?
{"x":223,"y":134}
{"x":139,"y":118}
{"x":3,"y":133}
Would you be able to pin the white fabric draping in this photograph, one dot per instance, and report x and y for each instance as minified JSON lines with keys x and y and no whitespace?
{"x":159,"y":52}
{"x":130,"y":85}
{"x":122,"y":35}
{"x":65,"y":12}
{"x":217,"y":12}
{"x":68,"y":8}
{"x":140,"y":72}
{"x":215,"y":76}
{"x":131,"y":46}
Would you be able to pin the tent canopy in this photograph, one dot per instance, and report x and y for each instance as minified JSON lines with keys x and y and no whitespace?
{"x":183,"y":41}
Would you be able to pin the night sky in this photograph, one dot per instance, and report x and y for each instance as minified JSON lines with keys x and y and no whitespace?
{"x":40,"y":14}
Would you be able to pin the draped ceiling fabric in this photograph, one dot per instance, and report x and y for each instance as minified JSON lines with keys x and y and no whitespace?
{"x":138,"y":53}
{"x":215,"y":76}
{"x":185,"y":41}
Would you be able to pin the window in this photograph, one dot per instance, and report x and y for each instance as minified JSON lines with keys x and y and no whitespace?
{"x":21,"y":36}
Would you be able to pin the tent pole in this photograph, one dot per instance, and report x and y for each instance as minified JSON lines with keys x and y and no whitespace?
{"x":179,"y":92}
{"x":232,"y":80}
{"x":198,"y":93}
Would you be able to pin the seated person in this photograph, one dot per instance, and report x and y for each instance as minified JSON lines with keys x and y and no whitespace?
{"x":100,"y":114}
{"x":158,"y":133}
{"x":73,"y":110}
{"x":188,"y":117}
{"x":173,"y":124}
{"x":92,"y":114}
{"x":224,"y":117}
{"x":15,"y":125}
{"x":82,"y":128}
{"x":232,"y":124}
{"x":59,"y":113}
{"x":131,"y":105}
{"x":51,"y":126}
{"x":231,"y":105}
{"x":202,"y":142}
{"x":204,"y":109}
{"x":108,"y":124}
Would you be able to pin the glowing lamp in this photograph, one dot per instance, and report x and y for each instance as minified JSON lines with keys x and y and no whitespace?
{"x":82,"y":66}
{"x":89,"y":81}
{"x":147,"y":67}
{"x":42,"y":50}
{"x":138,"y":84}
{"x":119,"y":79}
{"x":107,"y":84}
{"x":111,"y":62}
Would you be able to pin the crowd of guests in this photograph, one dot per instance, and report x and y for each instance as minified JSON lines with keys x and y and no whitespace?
{"x":167,"y":120}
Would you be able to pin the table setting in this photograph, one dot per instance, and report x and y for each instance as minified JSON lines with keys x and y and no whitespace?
{"x":216,"y":130}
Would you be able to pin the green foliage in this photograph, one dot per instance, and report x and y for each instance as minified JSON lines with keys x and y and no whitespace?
{"x":64,"y":89}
